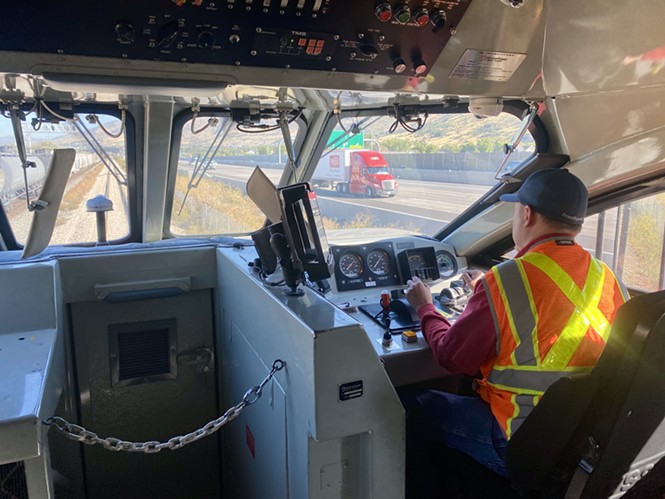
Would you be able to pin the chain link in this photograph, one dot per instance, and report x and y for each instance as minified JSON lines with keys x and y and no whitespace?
{"x":80,"y":434}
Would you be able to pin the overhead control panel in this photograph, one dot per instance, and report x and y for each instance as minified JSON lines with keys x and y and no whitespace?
{"x":388,"y":37}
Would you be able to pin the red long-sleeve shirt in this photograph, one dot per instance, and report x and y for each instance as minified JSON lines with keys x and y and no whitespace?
{"x":463,"y":347}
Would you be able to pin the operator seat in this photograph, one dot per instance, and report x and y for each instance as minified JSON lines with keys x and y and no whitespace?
{"x":595,"y":435}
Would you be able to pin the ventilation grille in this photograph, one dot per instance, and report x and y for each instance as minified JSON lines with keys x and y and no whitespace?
{"x":143,"y":352}
{"x":12,"y":481}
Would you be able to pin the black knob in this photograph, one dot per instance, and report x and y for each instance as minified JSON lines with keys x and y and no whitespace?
{"x":167,"y":34}
{"x":125,"y":31}
{"x":419,"y":66}
{"x":438,"y":18}
{"x":368,"y":50}
{"x":399,"y":65}
{"x":205,"y":39}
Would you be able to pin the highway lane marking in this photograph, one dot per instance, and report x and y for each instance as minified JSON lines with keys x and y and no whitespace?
{"x":222,"y":175}
{"x":383,"y":209}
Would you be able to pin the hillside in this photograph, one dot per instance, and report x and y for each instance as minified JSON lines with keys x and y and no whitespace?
{"x":441,"y":133}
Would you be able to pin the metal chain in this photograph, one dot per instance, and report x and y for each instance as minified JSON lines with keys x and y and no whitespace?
{"x":80,"y":434}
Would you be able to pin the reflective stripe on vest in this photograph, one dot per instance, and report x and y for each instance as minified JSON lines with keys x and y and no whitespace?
{"x":523,"y":404}
{"x":533,"y":381}
{"x":528,"y":377}
{"x":586,"y":302}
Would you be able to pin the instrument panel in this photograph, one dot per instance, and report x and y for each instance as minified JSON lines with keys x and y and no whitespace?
{"x":365,"y":266}
{"x":390,"y":263}
{"x":388,"y":37}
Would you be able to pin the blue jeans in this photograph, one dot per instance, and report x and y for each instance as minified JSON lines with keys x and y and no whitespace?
{"x":458,"y":422}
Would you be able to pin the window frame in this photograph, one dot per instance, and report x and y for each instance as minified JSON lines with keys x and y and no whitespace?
{"x":134,"y":218}
{"x":178,"y":124}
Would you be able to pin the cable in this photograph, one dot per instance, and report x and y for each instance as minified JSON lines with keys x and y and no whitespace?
{"x":264,"y":278}
{"x":93,"y":118}
{"x":337,"y":110}
{"x":36,"y":126}
{"x":212,"y":121}
{"x":262,"y":128}
{"x":404,"y":123}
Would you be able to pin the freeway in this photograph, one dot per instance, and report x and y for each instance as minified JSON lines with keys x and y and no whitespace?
{"x":420,"y":206}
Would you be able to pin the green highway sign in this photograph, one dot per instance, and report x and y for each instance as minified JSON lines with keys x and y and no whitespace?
{"x":356,"y":141}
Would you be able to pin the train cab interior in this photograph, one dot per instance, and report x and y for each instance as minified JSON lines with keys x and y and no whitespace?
{"x":211,"y":208}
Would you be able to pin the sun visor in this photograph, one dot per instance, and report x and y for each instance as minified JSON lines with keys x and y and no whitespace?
{"x":262,"y":191}
{"x":192,"y":85}
{"x":43,"y":217}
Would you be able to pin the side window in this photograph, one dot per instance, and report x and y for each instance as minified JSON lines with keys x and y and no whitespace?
{"x":99,"y":169}
{"x":629,"y":238}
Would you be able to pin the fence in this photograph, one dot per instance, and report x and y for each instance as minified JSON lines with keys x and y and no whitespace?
{"x":464,"y":167}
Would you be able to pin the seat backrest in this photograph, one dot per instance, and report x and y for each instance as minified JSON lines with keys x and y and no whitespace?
{"x":620,"y":406}
{"x":626,"y":416}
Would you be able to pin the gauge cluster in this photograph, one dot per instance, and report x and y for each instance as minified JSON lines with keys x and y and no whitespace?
{"x":365,"y":266}
{"x":447,"y":264}
{"x":418,"y":262}
{"x":390,"y":263}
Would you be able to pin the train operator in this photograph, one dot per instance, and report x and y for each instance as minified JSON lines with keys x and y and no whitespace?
{"x":530,"y":321}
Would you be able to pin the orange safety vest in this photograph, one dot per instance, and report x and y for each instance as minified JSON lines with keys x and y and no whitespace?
{"x":552,"y":310}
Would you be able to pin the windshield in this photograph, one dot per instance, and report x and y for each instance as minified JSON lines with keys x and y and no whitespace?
{"x":214,"y":165}
{"x":99,"y":169}
{"x":371,"y":175}
{"x":376,"y":170}
{"x":429,"y":176}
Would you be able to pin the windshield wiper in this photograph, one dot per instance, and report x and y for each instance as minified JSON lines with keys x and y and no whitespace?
{"x":14,"y":111}
{"x":508,"y":149}
{"x":98,"y":149}
{"x":201,"y":166}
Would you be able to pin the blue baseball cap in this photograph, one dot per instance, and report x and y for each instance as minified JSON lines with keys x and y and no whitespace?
{"x":555,"y":193}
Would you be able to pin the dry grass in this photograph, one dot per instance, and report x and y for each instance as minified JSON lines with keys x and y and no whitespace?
{"x":364,"y":220}
{"x":80,"y":192}
{"x":213,"y":206}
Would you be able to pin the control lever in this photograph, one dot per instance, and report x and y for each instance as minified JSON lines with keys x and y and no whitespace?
{"x":457,"y":294}
{"x":385,"y":318}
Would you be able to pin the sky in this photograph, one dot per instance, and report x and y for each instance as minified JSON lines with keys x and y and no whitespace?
{"x":7,"y":132}
{"x":5,"y":127}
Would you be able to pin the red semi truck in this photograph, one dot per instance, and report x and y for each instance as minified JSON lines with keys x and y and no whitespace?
{"x":356,"y":171}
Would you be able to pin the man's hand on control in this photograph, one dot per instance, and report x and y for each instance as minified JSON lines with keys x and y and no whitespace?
{"x":418,"y":293}
{"x":471,"y":277}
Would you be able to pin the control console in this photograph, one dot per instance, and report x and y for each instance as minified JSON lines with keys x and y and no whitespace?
{"x":391,"y":37}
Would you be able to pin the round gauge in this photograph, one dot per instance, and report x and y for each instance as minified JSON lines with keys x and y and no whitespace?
{"x":447,"y":264}
{"x":378,"y":261}
{"x":416,"y":261}
{"x":351,"y":265}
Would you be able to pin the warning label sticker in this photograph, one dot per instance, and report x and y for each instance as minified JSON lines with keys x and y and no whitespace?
{"x":487,"y":65}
